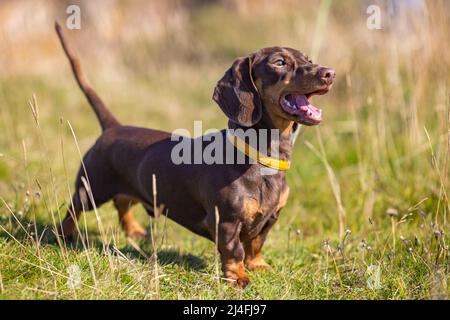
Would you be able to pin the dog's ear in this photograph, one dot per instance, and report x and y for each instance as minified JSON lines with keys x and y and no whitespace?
{"x":237,"y":96}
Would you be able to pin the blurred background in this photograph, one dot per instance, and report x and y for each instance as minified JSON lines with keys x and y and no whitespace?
{"x":381,"y":151}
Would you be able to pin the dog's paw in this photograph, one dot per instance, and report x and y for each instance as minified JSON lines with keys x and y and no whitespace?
{"x":242,"y":282}
{"x":135,"y":231}
{"x":240,"y":279}
{"x":235,"y":270}
{"x":258,"y":264}
{"x":66,"y":232}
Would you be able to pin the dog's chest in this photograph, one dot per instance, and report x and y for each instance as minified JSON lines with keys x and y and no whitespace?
{"x":264,"y":205}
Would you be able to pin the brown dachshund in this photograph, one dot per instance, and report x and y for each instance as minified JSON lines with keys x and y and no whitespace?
{"x":268,"y":89}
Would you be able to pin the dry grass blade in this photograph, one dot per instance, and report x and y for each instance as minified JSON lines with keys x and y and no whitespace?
{"x":34,"y":109}
{"x":216,"y":242}
{"x":333,"y":182}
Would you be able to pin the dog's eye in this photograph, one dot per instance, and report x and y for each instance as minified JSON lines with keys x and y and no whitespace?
{"x":280,"y":63}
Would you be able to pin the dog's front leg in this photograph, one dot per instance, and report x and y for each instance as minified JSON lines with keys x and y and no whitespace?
{"x":253,"y":258}
{"x":232,"y":253}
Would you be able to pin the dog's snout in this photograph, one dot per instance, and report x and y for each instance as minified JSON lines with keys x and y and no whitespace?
{"x":327,"y":74}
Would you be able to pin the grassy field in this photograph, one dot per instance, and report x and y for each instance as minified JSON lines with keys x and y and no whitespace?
{"x":368,"y":207}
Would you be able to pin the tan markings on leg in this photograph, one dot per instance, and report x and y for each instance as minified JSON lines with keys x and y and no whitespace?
{"x":257,"y":263}
{"x":235,"y":270}
{"x":250,"y":209}
{"x":253,"y":258}
{"x":129,"y":224}
{"x":283,"y":198}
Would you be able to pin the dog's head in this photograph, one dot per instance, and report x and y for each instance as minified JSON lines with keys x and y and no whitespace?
{"x":276,"y":81}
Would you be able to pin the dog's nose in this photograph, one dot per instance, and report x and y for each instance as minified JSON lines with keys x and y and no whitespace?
{"x":327,"y":74}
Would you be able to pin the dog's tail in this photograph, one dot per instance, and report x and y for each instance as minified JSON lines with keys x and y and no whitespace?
{"x":105,"y":117}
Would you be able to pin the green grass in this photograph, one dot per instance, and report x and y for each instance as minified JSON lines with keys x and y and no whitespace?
{"x":310,"y":260}
{"x":305,"y":267}
{"x":369,"y":186}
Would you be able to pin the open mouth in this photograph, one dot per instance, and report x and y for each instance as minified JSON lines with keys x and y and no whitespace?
{"x":299,"y":106}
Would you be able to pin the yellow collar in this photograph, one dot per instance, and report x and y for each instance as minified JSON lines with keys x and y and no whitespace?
{"x":249,"y":151}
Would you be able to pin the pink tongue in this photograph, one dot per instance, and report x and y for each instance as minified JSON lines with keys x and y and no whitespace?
{"x":304,"y":106}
